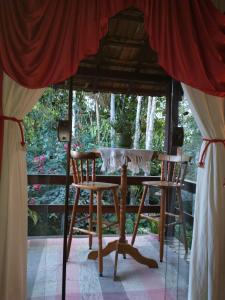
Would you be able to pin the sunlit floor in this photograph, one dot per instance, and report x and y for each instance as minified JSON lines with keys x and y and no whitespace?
{"x":135,"y":281}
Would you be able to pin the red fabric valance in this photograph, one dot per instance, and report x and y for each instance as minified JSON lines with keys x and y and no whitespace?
{"x":189,"y":37}
{"x":43,"y":41}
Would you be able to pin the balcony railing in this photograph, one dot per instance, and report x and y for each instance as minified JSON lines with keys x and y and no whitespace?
{"x":131,"y":180}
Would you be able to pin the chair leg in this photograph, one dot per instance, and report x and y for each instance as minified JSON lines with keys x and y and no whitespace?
{"x":73,"y":218}
{"x":162,"y":223}
{"x":159,"y":219}
{"x":99,"y":222}
{"x":139,"y":214}
{"x":181,"y":212}
{"x":91,"y":218}
{"x":158,"y":234}
{"x":116,"y":204}
{"x":115,"y":264}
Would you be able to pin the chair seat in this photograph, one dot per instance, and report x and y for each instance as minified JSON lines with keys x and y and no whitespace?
{"x":162,"y":184}
{"x":95,"y":186}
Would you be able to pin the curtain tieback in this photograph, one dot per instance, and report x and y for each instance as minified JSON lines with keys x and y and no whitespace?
{"x":208,"y":142}
{"x":19,"y":122}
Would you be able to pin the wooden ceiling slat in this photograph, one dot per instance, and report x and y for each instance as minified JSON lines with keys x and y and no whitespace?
{"x":121,"y":75}
{"x":125,"y":62}
{"x":118,"y":41}
{"x":125,"y":90}
{"x":113,"y":62}
{"x":131,"y":18}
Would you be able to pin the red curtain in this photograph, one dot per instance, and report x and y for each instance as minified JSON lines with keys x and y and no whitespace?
{"x":43,"y":41}
{"x":189,"y":37}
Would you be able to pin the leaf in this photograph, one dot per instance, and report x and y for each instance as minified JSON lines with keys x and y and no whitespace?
{"x":33,"y":215}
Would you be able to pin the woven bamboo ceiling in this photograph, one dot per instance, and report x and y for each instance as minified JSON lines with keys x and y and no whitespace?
{"x":125,"y":63}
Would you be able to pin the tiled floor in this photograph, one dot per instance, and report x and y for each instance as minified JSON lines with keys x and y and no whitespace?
{"x":135,"y":281}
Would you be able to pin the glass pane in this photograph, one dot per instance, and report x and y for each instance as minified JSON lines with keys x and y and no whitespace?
{"x":175,"y":241}
{"x":192,"y":138}
{"x":45,"y":156}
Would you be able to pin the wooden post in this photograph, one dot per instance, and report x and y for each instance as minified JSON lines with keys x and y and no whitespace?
{"x":99,"y":223}
{"x":172,"y":119}
{"x":167,"y":141}
{"x":162,"y":223}
{"x":172,"y":115}
{"x":123,"y":203}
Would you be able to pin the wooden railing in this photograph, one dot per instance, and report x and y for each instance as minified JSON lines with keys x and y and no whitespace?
{"x":131,"y":180}
{"x":61,"y":179}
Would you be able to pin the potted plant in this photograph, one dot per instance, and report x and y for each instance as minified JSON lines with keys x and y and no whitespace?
{"x":123,"y":126}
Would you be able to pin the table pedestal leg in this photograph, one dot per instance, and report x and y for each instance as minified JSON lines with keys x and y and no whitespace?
{"x":112,"y":246}
{"x":121,"y":246}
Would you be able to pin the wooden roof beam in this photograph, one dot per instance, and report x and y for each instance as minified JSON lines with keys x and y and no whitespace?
{"x":114,"y":62}
{"x":122,"y":42}
{"x":129,"y":17}
{"x":119,"y":90}
{"x":120,"y":76}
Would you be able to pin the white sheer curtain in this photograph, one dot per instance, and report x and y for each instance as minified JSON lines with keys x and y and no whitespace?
{"x":17,"y":102}
{"x":207,"y":266}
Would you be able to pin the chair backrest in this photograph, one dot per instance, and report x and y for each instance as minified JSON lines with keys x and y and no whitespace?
{"x":83,"y":166}
{"x":174,"y":167}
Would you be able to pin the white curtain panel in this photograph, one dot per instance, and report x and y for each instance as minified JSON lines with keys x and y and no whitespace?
{"x":207,"y":266}
{"x":17,"y":102}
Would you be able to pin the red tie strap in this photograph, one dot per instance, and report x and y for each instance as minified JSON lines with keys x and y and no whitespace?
{"x":19,"y":122}
{"x":208,"y":142}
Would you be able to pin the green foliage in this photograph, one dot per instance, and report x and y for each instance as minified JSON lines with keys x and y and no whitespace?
{"x":189,"y":232}
{"x":146,"y":226}
{"x":33,"y":216}
{"x":46,"y":155}
{"x":47,"y":224}
{"x":125,"y":114}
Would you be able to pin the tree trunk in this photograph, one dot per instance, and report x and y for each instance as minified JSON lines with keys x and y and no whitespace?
{"x":136,"y":142}
{"x":150,"y":128}
{"x":97,"y":118}
{"x":74,"y":121}
{"x":150,"y":122}
{"x":112,"y":118}
{"x":137,"y":123}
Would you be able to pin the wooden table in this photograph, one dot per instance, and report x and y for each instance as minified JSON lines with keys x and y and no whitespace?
{"x":121,"y":245}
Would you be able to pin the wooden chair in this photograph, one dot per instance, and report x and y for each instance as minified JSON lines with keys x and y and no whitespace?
{"x":173,"y":170}
{"x":82,"y":163}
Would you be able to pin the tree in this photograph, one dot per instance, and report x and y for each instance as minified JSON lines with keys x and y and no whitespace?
{"x":137,"y":123}
{"x":112,"y":118}
{"x":74,"y":116}
{"x":150,"y":122}
{"x":97,"y":117}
